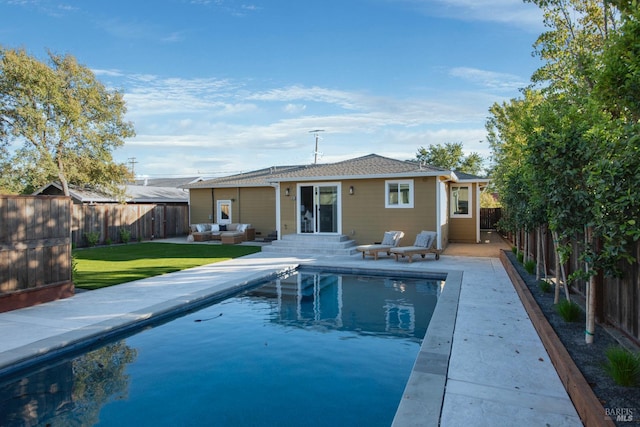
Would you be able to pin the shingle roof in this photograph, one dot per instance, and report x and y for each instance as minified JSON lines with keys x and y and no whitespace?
{"x":134,"y":194}
{"x":167,"y":182}
{"x":370,"y":166}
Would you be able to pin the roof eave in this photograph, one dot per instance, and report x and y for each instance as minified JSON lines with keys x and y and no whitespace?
{"x":415,"y":174}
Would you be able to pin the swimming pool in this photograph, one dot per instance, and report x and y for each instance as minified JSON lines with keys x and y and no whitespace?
{"x":312,"y":349}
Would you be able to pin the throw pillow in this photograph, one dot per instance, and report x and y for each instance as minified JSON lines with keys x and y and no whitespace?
{"x":421,"y":240}
{"x":200,"y":228}
{"x":223,"y":227}
{"x":389,"y":239}
{"x":215,"y":227}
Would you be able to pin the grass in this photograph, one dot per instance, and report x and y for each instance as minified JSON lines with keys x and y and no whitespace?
{"x":623,"y":366}
{"x":530,"y":266}
{"x":544,"y":286}
{"x":569,"y":311}
{"x":100,"y":267}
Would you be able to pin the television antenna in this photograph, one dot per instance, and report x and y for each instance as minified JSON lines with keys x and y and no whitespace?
{"x":315,"y":153}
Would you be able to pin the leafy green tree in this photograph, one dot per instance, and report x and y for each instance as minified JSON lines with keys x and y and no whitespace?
{"x":69,"y":122}
{"x":573,"y":45}
{"x":618,"y":85}
{"x":450,"y":156}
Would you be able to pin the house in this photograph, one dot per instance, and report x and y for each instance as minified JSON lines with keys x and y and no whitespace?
{"x":360,"y":198}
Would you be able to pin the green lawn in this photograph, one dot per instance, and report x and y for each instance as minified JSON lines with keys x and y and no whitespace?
{"x":111,"y":265}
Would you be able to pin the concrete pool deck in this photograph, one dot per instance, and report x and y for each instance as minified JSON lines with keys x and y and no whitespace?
{"x":498,"y":370}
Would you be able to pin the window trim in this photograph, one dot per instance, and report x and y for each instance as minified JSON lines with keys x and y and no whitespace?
{"x":399,"y":205}
{"x":452,"y":213}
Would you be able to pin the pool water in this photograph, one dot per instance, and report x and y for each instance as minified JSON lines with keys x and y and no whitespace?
{"x":311,"y":349}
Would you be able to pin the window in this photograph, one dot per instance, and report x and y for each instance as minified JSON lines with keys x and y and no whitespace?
{"x":461,"y":201}
{"x":399,"y":194}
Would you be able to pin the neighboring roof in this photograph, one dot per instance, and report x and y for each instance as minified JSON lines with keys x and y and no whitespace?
{"x":370,"y":166}
{"x":134,"y":194}
{"x":467,"y":177}
{"x":168,"y":182}
{"x":148,"y":194}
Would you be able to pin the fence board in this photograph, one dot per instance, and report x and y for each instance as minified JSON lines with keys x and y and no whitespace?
{"x":35,"y":248}
{"x":144,"y":222}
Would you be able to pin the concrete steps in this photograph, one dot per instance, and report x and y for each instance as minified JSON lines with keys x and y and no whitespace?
{"x":312,"y":244}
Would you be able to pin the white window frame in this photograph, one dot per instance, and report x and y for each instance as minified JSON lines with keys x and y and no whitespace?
{"x":453,"y":200}
{"x":399,"y":205}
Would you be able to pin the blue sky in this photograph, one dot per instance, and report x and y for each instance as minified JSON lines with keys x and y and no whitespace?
{"x":223,"y":86}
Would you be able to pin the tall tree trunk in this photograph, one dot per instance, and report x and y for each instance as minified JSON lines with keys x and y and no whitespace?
{"x":560,"y":274}
{"x":590,"y":327}
{"x":538,"y":251}
{"x":543,"y":242}
{"x":62,"y":177}
{"x":525,"y":253}
{"x":556,"y":297}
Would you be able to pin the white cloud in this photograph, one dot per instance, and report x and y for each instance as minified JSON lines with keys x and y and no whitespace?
{"x":512,"y":12}
{"x":489,"y":79}
{"x":195,"y":120}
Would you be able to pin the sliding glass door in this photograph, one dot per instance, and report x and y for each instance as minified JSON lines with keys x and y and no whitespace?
{"x":319,"y":208}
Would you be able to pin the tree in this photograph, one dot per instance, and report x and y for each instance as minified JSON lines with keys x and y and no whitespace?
{"x":69,"y":122}
{"x":450,"y":156}
{"x":573,"y":45}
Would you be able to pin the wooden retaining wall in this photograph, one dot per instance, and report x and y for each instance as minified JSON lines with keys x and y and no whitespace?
{"x":35,"y":250}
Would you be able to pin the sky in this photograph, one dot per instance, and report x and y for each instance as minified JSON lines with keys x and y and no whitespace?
{"x":217,"y":87}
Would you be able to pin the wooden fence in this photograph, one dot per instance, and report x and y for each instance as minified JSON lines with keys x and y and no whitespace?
{"x":35,"y":250}
{"x":142,"y":221}
{"x":617,"y":299}
{"x":489,"y":217}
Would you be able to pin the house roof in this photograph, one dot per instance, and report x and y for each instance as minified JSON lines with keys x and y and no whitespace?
{"x":366,"y":167}
{"x":167,"y":182}
{"x":134,"y":194}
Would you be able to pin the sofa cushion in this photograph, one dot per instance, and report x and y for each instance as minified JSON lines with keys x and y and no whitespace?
{"x":215,"y":227}
{"x":201,"y":228}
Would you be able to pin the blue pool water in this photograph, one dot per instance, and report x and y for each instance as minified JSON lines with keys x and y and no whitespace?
{"x":311,"y":349}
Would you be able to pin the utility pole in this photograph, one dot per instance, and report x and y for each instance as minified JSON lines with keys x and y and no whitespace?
{"x":132,"y":161}
{"x":315,"y":153}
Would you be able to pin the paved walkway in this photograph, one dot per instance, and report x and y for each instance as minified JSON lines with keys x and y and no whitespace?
{"x":499,"y":372}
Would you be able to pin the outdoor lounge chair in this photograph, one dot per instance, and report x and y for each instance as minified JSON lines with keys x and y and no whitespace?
{"x":391,"y":240}
{"x":422,"y":246}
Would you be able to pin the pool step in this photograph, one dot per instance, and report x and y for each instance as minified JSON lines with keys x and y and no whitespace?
{"x":312,"y":244}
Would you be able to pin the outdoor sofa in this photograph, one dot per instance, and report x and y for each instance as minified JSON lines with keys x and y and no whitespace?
{"x":226,"y":233}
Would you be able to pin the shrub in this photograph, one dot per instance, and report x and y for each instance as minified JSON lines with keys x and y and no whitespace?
{"x":569,"y":311}
{"x":107,"y":241}
{"x":92,"y":237}
{"x":514,"y":249}
{"x":623,"y":366}
{"x":544,"y":286}
{"x":520,"y":257}
{"x":530,"y":266}
{"x":125,"y":235}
